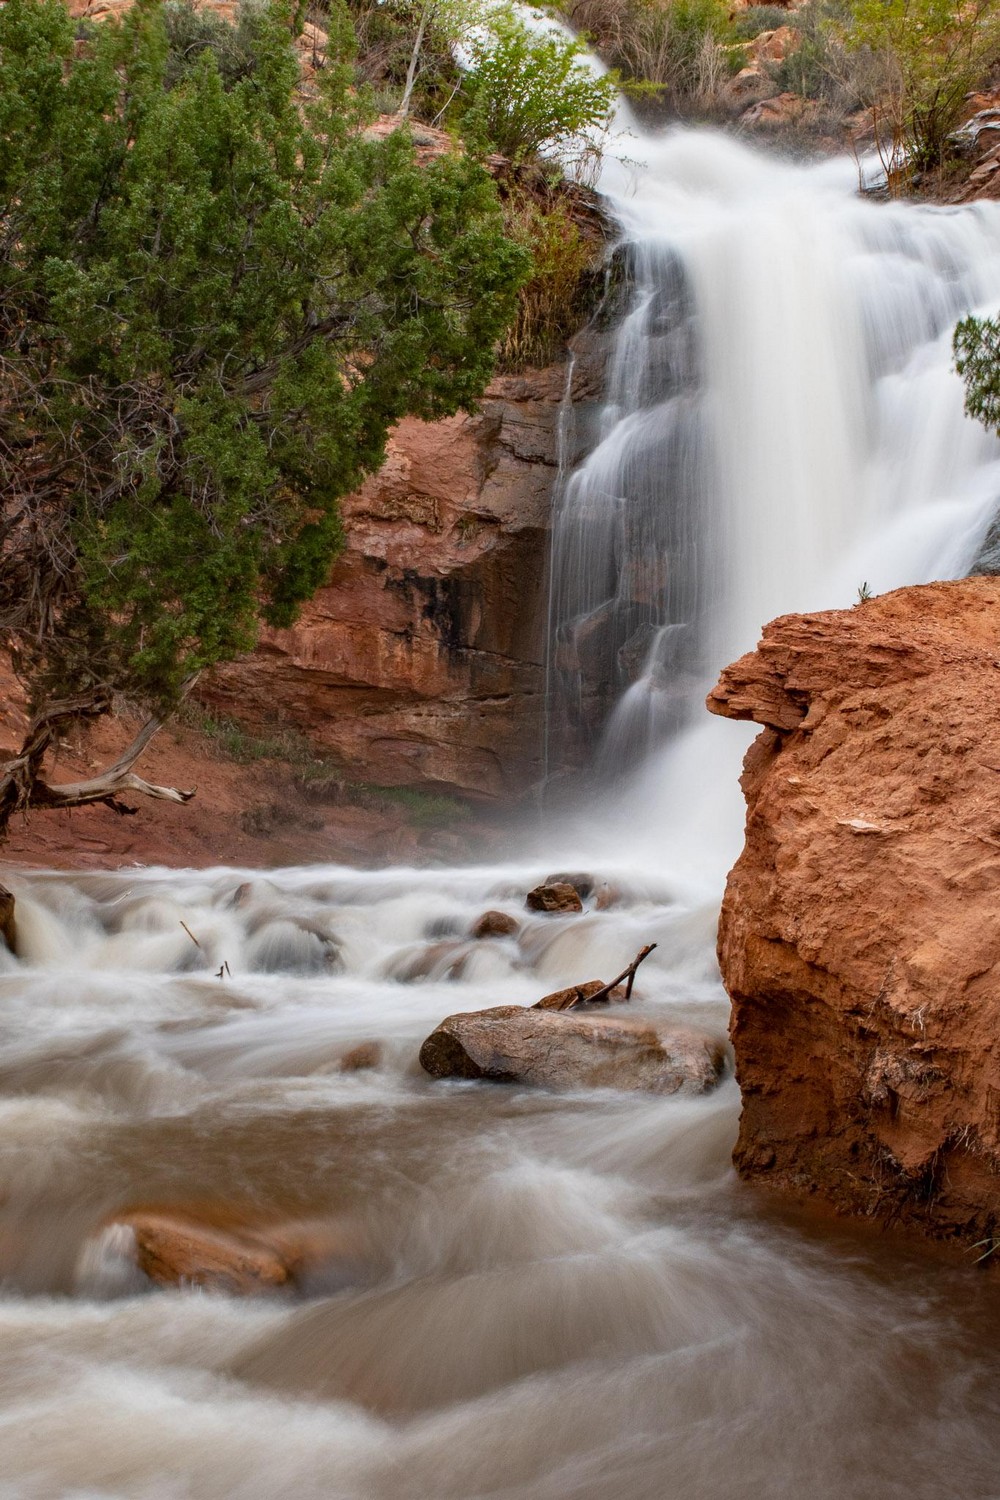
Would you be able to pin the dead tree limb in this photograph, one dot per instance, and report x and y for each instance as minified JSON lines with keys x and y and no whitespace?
{"x":628,"y":975}
{"x":109,"y":784}
{"x":22,"y":787}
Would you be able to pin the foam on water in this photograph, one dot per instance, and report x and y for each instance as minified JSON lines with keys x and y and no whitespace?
{"x":535,"y":1297}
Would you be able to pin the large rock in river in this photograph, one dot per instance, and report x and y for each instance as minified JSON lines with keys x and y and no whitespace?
{"x":560,"y":1050}
{"x":860,"y":932}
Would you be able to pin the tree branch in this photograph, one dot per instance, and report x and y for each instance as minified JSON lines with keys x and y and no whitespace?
{"x":21,"y":784}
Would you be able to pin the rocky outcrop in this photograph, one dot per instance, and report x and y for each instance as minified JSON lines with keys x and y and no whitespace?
{"x":553,"y":1049}
{"x":420,"y":663}
{"x":860,"y":931}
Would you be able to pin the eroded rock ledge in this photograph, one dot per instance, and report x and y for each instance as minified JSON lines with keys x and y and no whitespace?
{"x":860,"y":931}
{"x":421,"y":663}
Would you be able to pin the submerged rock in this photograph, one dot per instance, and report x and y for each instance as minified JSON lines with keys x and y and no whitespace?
{"x":558,"y":898}
{"x":569,"y":1050}
{"x":175,"y":1251}
{"x":495,"y":924}
{"x":860,"y":932}
{"x":175,"y":1248}
{"x":364,"y":1055}
{"x":437,"y":961}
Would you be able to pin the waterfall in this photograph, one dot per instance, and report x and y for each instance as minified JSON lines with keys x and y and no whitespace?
{"x":782,"y":424}
{"x":516,"y":1295}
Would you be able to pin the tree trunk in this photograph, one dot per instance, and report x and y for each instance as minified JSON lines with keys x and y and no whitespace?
{"x":22,"y":788}
{"x":411,"y":72}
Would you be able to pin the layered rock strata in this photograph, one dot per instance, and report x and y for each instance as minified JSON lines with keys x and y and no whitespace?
{"x":860,"y":931}
{"x":421,"y":663}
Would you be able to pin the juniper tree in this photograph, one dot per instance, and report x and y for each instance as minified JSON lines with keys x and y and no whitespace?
{"x":216,"y":296}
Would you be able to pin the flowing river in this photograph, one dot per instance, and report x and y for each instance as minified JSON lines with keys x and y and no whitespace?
{"x":524,"y":1295}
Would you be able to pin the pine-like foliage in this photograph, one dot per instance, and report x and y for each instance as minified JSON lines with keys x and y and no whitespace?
{"x":215,"y":299}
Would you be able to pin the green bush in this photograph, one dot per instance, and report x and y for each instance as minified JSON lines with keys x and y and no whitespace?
{"x":214,"y":303}
{"x":532,"y":91}
{"x":749,"y":23}
{"x":931,"y":54}
{"x":190,"y":32}
{"x":567,"y":271}
{"x":977,"y":359}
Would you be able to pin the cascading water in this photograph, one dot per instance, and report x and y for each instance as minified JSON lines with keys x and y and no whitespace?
{"x":782,"y":425}
{"x":524,"y":1296}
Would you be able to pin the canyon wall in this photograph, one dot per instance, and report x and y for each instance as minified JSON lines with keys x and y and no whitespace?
{"x":421,"y":663}
{"x":860,"y":932}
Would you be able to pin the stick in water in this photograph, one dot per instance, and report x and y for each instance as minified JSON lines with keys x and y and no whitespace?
{"x":191,"y":934}
{"x":626,"y":974}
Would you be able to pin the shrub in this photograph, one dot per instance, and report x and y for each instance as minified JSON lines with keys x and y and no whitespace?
{"x":931,"y":53}
{"x":749,"y":23}
{"x":531,"y":91}
{"x":385,"y":41}
{"x":190,"y":32}
{"x":567,"y":271}
{"x":686,"y":49}
{"x":977,"y":359}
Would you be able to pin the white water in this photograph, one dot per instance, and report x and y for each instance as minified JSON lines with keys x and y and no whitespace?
{"x":536,"y":1297}
{"x":783,"y":424}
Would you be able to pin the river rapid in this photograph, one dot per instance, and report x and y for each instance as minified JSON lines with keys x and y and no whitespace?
{"x":527,"y":1296}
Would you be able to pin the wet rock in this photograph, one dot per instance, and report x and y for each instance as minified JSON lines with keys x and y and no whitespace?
{"x":496,"y":924}
{"x":568,"y":1050}
{"x":582,"y":884}
{"x":365,"y":1055}
{"x":174,"y":1251}
{"x":180,"y":1248}
{"x":8,"y":926}
{"x":558,"y":898}
{"x":438,"y":961}
{"x":606,"y":896}
{"x":978,"y":135}
{"x":579,"y":994}
{"x":418,"y":663}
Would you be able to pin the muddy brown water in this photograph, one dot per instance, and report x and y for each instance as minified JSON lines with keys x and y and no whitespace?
{"x":534,"y":1295}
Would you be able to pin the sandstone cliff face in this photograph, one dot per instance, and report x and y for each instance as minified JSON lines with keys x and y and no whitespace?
{"x":860,"y":932}
{"x":422,"y":662}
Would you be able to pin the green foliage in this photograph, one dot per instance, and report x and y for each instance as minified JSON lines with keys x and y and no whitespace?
{"x":932,"y":54}
{"x":531,"y":91}
{"x":567,"y":267}
{"x":680,"y":52}
{"x":977,"y":359}
{"x":386,"y":34}
{"x":191,"y":31}
{"x":750,"y":22}
{"x":236,"y":742}
{"x":215,"y":298}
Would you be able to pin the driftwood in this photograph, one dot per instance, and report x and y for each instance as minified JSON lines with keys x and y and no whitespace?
{"x":579,"y":996}
{"x":21,"y":783}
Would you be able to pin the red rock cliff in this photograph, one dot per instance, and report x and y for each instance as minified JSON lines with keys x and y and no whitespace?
{"x":421,"y":662}
{"x":860,"y":932}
